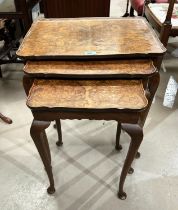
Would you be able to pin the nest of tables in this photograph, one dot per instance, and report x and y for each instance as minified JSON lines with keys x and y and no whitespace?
{"x":90,"y":68}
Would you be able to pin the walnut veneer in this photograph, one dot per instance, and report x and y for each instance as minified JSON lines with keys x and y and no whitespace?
{"x":90,"y":38}
{"x":91,"y":69}
{"x":87,"y":94}
{"x":98,"y":50}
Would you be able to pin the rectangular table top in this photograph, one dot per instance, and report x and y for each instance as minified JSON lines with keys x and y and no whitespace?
{"x":87,"y":94}
{"x":91,"y":69}
{"x":55,"y":39}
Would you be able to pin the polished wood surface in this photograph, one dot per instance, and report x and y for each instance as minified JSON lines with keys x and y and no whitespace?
{"x":44,"y":115}
{"x":127,"y":101}
{"x":69,"y":69}
{"x":90,"y":38}
{"x":76,"y":8}
{"x":87,"y":94}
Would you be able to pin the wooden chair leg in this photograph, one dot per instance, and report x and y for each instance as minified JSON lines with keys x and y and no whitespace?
{"x":127,"y":9}
{"x":38,"y":135}
{"x":131,"y":12}
{"x":136,"y":133}
{"x":5,"y":119}
{"x":118,"y":146}
{"x":58,"y":127}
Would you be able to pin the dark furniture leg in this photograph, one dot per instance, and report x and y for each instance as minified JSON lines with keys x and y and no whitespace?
{"x":27,"y":83}
{"x":118,"y":146}
{"x":38,"y":135}
{"x":46,"y":145}
{"x":5,"y":119}
{"x":153,"y":83}
{"x":58,"y":127}
{"x":152,"y":86}
{"x":136,"y":134}
{"x":131,"y":12}
{"x":127,"y":9}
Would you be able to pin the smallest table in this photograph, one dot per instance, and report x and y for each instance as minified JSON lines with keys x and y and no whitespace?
{"x":120,"y":100}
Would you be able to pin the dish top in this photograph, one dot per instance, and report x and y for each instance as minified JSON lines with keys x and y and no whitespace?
{"x":131,"y":68}
{"x":55,"y":39}
{"x":87,"y":94}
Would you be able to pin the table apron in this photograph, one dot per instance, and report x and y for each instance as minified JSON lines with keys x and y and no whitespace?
{"x":122,"y":117}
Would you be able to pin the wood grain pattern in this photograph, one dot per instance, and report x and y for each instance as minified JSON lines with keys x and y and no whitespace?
{"x":87,"y":94}
{"x":90,"y":37}
{"x":117,"y":68}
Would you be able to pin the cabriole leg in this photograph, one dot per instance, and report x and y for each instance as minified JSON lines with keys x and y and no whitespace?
{"x":136,"y":134}
{"x":38,"y":135}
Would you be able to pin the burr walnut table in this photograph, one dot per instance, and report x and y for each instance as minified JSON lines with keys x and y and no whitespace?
{"x":120,"y":100}
{"x":126,"y":101}
{"x":90,"y":68}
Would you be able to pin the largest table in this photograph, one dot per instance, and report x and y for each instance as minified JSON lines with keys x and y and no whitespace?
{"x":96,"y":49}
